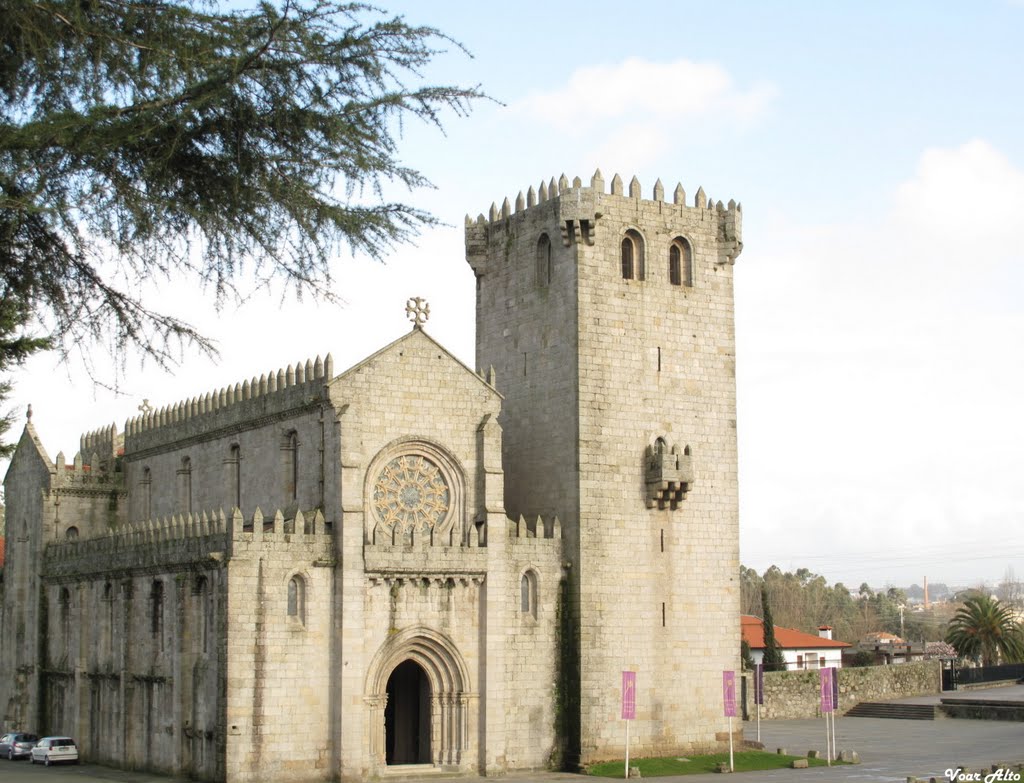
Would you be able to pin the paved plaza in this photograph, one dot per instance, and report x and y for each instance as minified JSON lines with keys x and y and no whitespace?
{"x":890,"y":751}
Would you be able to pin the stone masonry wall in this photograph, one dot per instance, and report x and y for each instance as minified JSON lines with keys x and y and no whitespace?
{"x":278,"y":661}
{"x":796,"y":695}
{"x":426,"y":597}
{"x":26,"y":498}
{"x":657,"y":360}
{"x":594,"y":368}
{"x":133,"y":645}
{"x":232,"y":447}
{"x":533,"y":640}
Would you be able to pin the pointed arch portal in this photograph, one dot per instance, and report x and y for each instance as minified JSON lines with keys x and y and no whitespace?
{"x":421,"y":709}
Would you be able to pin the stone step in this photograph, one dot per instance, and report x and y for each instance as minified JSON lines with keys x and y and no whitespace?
{"x":869,"y":709}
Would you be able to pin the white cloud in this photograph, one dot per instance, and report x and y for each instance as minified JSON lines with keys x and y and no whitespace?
{"x":646,"y":91}
{"x":969,"y":196}
{"x":877,"y":383}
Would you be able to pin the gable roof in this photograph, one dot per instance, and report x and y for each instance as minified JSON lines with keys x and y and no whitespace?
{"x":29,"y":446}
{"x":752,"y":629}
{"x":416,"y":333}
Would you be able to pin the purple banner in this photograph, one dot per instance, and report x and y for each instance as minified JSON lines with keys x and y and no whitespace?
{"x":835,"y":688}
{"x":758,"y":683}
{"x":826,"y":689}
{"x":729,"y":693}
{"x":629,"y":695}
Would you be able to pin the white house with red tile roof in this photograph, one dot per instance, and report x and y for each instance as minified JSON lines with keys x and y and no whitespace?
{"x":800,"y":650}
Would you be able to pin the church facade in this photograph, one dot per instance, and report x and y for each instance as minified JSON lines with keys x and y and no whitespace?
{"x":410,"y":564}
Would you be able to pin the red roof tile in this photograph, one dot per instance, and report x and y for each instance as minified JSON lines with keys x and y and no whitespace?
{"x":753,"y":634}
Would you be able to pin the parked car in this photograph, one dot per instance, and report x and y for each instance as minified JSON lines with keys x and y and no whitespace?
{"x":17,"y":744}
{"x":52,"y":750}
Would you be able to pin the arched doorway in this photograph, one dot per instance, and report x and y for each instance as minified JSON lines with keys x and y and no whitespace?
{"x":417,"y":688}
{"x":407,"y":715}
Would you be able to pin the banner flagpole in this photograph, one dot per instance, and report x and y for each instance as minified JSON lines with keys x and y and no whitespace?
{"x":628,"y":707}
{"x":626,"y":775}
{"x":758,"y":694}
{"x":835,"y":708}
{"x":729,"y":702}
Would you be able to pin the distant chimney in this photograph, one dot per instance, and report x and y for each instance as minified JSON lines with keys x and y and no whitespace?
{"x":825,"y":631}
{"x":926,"y":592}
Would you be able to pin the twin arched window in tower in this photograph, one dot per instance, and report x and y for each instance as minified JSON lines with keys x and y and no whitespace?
{"x":632,"y":257}
{"x":680,"y":259}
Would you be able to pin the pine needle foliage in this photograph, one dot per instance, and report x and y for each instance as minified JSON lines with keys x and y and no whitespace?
{"x":145,"y":139}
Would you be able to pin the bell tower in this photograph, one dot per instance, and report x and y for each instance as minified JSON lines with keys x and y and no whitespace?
{"x":608,"y":320}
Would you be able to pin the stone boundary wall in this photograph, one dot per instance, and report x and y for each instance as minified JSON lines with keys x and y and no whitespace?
{"x":796,"y":695}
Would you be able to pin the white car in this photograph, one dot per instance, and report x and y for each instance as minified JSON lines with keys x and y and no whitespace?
{"x":51,"y":750}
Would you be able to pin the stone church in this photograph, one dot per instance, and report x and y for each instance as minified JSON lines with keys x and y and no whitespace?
{"x":413,"y":565}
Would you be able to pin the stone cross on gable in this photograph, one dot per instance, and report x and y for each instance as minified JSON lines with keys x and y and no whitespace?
{"x":146,"y":407}
{"x":417,"y":310}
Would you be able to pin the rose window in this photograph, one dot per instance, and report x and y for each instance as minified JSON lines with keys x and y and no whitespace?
{"x":411,"y":492}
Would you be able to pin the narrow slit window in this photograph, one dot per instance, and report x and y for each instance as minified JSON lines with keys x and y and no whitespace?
{"x":146,"y":490}
{"x":185,"y":486}
{"x":297,"y":599}
{"x":291,"y":465}
{"x":528,"y":594}
{"x":156,"y":612}
{"x":234,"y":476}
{"x":543,"y":261}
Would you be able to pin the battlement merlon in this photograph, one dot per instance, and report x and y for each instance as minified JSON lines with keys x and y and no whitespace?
{"x":276,"y":392}
{"x":104,"y":443}
{"x":183,"y":539}
{"x":577,"y":209}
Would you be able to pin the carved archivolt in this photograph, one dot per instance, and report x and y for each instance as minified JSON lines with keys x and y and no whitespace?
{"x":454,"y":712}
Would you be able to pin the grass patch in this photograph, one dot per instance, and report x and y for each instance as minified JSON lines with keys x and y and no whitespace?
{"x":743,"y":761}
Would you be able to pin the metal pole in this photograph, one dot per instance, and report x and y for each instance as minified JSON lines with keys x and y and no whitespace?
{"x":828,"y":743}
{"x":835,"y":753}
{"x":627,"y":750}
{"x":731,"y":767}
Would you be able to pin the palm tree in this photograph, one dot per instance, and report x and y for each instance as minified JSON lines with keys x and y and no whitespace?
{"x":984,"y":628}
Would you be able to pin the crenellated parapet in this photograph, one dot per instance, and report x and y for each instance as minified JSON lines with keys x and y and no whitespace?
{"x":177,"y":541}
{"x":577,"y":210}
{"x":102,"y":446}
{"x":167,"y":544}
{"x":538,"y":528}
{"x":98,"y":473}
{"x":276,"y":392}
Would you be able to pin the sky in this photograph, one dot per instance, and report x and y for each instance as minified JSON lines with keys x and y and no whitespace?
{"x":878,"y":151}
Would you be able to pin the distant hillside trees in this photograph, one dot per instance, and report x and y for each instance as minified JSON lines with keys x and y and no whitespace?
{"x":804,"y":600}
